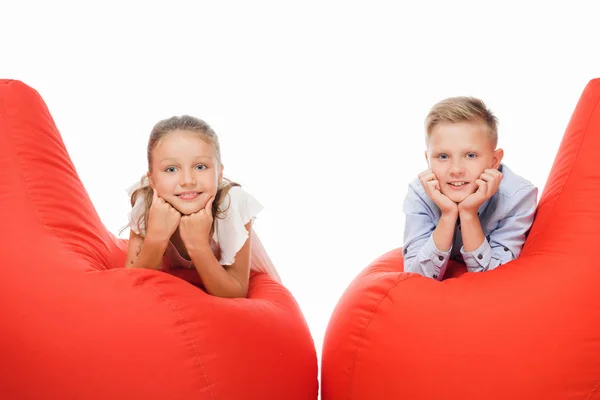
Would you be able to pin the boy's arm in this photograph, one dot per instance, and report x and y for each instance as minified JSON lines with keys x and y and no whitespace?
{"x":424,"y":236}
{"x":506,"y":241}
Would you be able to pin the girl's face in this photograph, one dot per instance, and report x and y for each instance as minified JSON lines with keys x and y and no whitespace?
{"x":185,"y":171}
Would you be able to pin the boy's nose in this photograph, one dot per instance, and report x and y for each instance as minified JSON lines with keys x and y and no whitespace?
{"x":457,"y":169}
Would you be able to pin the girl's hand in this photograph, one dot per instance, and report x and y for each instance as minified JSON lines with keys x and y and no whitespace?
{"x":195,"y":228}
{"x":163,"y":219}
{"x":432,"y":188}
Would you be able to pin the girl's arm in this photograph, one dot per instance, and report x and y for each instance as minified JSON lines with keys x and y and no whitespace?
{"x":144,"y":253}
{"x":223,"y":281}
{"x":147,"y":252}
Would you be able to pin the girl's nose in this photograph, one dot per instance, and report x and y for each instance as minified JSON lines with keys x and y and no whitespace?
{"x":188,"y":178}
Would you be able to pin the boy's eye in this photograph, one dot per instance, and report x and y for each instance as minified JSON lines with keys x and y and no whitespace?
{"x":201,"y":166}
{"x":471,"y":155}
{"x":442,"y":156}
{"x":170,"y":169}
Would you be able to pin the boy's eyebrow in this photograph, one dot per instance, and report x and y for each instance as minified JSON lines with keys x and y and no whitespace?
{"x":466,"y":150}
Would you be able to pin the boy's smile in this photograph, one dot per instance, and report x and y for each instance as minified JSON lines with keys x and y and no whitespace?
{"x":457,"y":154}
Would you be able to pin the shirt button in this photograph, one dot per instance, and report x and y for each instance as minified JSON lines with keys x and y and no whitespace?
{"x":440,"y":258}
{"x":479,"y":256}
{"x":434,"y":276}
{"x":405,"y":250}
{"x":506,"y":249}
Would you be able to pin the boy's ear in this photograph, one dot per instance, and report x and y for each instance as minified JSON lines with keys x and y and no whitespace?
{"x":426,"y":157}
{"x":497,"y":158}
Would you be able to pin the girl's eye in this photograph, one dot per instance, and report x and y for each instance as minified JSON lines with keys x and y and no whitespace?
{"x":471,"y":155}
{"x":201,"y":166}
{"x":442,"y":156}
{"x":170,"y":169}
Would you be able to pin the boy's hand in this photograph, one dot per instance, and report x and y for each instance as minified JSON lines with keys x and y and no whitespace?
{"x":195,"y":228}
{"x":163,"y":219}
{"x":432,"y":188}
{"x":488,"y":184}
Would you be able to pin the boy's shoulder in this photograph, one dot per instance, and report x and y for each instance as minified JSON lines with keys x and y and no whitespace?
{"x":417,"y":197}
{"x":512,"y":183}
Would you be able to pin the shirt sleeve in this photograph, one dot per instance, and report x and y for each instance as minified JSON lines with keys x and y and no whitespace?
{"x":421,"y":255}
{"x":230,"y":232}
{"x":134,"y":217}
{"x":504,"y":244}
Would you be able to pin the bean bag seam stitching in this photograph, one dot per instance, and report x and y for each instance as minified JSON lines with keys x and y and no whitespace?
{"x":591,"y":395}
{"x":403,"y":278}
{"x":190,"y":341}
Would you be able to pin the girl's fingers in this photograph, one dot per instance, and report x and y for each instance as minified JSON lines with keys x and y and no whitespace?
{"x":208,"y":206}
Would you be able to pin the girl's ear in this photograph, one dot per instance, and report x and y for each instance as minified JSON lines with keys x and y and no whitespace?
{"x":150,"y":180}
{"x":497,"y":158}
{"x":220,"y":179}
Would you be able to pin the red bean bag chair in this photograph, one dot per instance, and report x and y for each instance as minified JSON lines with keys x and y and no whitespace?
{"x":77,"y":325}
{"x":527,"y":330}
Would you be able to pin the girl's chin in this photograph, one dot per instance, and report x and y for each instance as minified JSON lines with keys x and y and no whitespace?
{"x":187,"y":209}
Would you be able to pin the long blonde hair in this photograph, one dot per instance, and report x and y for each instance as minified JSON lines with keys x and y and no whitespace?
{"x":159,"y":131}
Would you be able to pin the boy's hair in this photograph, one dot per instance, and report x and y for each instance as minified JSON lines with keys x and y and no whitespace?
{"x":162,"y":129}
{"x":462,"y":109}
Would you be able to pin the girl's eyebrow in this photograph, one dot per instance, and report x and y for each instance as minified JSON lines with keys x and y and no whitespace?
{"x":170,"y":159}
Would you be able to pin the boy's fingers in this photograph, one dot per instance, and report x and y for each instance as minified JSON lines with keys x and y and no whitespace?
{"x":481,"y":183}
{"x":424,"y":173}
{"x":487,"y":177}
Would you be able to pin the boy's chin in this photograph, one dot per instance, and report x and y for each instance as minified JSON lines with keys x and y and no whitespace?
{"x":457,"y":197}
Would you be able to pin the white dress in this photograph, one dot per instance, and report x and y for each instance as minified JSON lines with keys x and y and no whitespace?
{"x":229,"y":233}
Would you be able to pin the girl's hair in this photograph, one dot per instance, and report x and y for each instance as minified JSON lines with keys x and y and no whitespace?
{"x":160,"y":130}
{"x":462,"y":109}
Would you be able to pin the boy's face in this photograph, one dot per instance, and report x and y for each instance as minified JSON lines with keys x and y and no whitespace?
{"x":185,"y":171}
{"x":457,"y":154}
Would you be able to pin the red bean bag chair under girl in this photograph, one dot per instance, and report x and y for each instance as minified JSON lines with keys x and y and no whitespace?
{"x":529,"y":329}
{"x":77,"y":325}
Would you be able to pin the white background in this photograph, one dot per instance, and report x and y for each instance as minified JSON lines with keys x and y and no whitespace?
{"x":319,"y":105}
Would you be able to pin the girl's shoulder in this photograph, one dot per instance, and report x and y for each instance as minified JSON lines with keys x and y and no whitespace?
{"x":238,"y":208}
{"x":239,"y":201}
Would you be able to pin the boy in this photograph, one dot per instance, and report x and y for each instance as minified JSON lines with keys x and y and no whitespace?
{"x":467,"y":205}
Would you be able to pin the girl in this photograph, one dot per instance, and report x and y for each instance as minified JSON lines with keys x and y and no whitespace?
{"x":190,"y":221}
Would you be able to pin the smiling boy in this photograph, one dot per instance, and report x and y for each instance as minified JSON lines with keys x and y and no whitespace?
{"x":467,"y":205}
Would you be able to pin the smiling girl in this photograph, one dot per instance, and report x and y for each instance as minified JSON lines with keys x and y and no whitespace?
{"x":187,"y":219}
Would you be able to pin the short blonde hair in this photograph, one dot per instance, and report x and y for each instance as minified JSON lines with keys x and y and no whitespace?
{"x":462,"y":109}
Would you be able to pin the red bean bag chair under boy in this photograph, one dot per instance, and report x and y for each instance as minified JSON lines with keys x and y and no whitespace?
{"x":529,"y":329}
{"x":77,"y":325}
